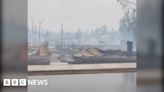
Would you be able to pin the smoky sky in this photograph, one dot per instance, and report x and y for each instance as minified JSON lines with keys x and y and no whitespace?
{"x":74,"y":14}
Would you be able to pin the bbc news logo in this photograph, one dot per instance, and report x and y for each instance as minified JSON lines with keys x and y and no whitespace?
{"x":14,"y":82}
{"x":24,"y":82}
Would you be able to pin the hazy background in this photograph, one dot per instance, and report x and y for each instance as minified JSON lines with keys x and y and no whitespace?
{"x":74,"y":14}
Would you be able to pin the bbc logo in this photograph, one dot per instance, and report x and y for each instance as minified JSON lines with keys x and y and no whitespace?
{"x":14,"y":82}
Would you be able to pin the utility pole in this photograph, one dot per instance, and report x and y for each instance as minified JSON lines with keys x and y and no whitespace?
{"x":62,"y":41}
{"x":40,"y":29}
{"x":33,"y":31}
